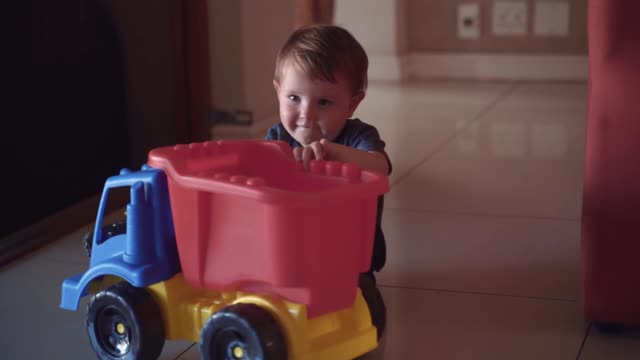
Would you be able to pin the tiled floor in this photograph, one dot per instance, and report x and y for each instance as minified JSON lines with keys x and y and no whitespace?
{"x":482,"y":225}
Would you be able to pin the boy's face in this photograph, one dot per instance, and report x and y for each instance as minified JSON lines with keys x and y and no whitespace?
{"x":311,"y":110}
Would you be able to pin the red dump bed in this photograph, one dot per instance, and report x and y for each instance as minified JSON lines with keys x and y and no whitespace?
{"x":248,"y":217}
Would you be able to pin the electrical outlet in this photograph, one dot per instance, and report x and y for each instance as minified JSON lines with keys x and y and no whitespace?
{"x":468,"y":21}
{"x":509,"y":17}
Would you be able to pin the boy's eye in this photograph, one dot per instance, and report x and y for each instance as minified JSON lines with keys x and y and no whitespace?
{"x":324,"y":102}
{"x":294,"y":98}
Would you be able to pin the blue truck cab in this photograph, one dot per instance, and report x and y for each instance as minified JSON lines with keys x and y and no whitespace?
{"x":146,"y":253}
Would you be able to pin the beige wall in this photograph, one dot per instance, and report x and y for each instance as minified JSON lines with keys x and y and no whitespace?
{"x":247,"y":35}
{"x":432,"y":28}
{"x":226,"y":55}
{"x":266,"y":26}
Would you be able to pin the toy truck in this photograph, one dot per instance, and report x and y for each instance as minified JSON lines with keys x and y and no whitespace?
{"x":232,"y":244}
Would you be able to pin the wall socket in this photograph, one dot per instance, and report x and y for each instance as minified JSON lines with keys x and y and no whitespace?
{"x":509,"y":17}
{"x":468,"y":21}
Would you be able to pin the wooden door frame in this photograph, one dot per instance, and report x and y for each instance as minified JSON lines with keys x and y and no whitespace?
{"x":307,"y":12}
{"x":192,"y":69}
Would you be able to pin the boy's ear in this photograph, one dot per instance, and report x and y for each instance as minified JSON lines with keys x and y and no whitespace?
{"x":276,"y":86}
{"x":355,"y":101}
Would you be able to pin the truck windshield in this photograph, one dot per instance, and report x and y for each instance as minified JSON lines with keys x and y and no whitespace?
{"x":114,"y":221}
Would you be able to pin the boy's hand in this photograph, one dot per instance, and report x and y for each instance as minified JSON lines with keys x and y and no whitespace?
{"x":314,"y":151}
{"x":326,"y":150}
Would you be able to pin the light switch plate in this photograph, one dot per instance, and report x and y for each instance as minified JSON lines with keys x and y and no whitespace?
{"x":551,"y":18}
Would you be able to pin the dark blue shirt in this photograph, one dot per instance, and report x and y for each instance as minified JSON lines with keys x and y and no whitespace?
{"x":362,"y":136}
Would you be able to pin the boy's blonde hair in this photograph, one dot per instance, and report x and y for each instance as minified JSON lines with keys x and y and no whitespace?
{"x":322,"y":52}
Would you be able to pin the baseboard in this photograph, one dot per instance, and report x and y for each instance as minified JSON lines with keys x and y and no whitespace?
{"x":56,"y":225}
{"x":48,"y":229}
{"x":478,"y":67}
{"x":387,"y":67}
{"x":498,"y":66}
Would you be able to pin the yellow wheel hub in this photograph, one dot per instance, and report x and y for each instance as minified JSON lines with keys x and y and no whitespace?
{"x":120,"y":328}
{"x":238,"y":352}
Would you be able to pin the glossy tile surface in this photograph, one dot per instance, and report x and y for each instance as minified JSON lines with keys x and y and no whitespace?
{"x":517,"y":256}
{"x":443,"y":325}
{"x":617,"y":346}
{"x":507,"y":162}
{"x":34,"y":325}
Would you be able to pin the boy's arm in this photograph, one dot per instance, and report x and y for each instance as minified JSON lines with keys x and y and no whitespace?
{"x":326,"y":150}
{"x":370,"y":160}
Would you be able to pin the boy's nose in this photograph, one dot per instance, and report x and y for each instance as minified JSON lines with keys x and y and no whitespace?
{"x":307,"y":116}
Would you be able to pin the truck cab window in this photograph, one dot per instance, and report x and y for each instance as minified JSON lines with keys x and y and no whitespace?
{"x":114,"y":221}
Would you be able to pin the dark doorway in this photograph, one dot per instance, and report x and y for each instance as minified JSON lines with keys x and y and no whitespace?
{"x":92,"y":86}
{"x":66,"y":124}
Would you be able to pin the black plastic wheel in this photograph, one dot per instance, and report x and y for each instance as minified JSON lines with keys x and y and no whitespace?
{"x":373,"y":297}
{"x":108,"y":231}
{"x":242,"y":331}
{"x":125,"y":323}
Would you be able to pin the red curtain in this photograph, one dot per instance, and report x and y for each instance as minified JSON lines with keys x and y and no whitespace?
{"x":611,"y":202}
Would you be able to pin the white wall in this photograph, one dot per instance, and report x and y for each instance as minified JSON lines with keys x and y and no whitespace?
{"x":380,"y":27}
